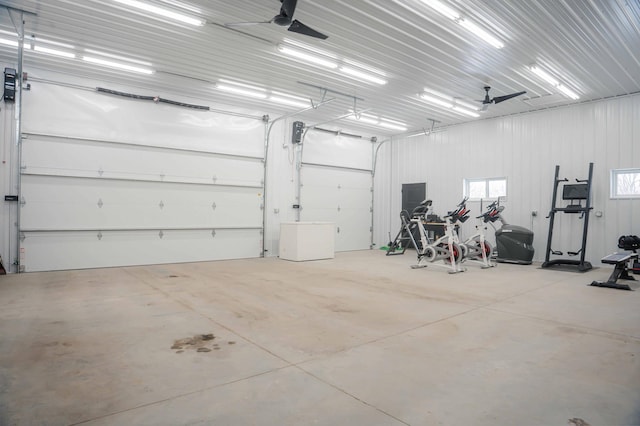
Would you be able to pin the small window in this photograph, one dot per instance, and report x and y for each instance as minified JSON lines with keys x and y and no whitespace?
{"x":477,"y":189}
{"x":625,"y":183}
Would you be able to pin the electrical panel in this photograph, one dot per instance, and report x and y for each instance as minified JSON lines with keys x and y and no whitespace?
{"x":296,"y":136}
{"x":9,"y":84}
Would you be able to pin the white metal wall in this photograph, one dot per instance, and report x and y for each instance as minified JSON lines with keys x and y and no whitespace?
{"x":525,"y":149}
{"x":110,"y":181}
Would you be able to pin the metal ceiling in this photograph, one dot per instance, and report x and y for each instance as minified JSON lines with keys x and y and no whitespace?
{"x":593,"y":46}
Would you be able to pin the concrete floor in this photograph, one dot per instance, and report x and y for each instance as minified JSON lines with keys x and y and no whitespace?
{"x":362,"y":339}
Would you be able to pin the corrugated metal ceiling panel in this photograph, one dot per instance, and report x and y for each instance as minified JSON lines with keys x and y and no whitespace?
{"x":594,"y":45}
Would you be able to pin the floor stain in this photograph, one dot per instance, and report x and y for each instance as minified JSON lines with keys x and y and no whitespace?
{"x":578,"y":422}
{"x":199,"y":343}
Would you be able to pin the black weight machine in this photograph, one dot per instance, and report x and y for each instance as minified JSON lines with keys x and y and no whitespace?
{"x":574,"y":193}
{"x":624,"y":262}
{"x":408,"y":229}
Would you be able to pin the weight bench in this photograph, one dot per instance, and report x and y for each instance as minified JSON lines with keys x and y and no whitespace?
{"x":620,"y":271}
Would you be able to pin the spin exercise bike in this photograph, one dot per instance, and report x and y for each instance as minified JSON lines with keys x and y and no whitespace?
{"x":476,"y":248}
{"x":445,"y":248}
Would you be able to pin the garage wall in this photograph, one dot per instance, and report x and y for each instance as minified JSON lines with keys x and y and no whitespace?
{"x":525,"y":149}
{"x":109,"y":180}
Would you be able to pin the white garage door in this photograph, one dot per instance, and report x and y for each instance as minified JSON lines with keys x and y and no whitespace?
{"x":89,"y":202}
{"x":336,"y":186}
{"x":342,"y":197}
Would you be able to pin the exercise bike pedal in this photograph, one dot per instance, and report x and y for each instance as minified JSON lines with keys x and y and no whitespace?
{"x":573,"y":253}
{"x":556,"y":252}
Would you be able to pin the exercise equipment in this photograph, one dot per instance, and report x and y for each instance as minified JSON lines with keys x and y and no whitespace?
{"x":460,"y":215}
{"x":408,"y":229}
{"x":624,"y":262}
{"x":478,"y":249}
{"x":444,"y":248}
{"x":514,"y":244}
{"x":574,"y":193}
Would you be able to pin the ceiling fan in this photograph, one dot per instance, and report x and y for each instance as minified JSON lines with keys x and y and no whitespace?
{"x":497,"y":99}
{"x":284,"y":18}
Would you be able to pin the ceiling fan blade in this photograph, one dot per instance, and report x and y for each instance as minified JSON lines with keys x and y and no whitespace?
{"x":288,"y":8}
{"x":300,"y":28}
{"x":484,"y":107}
{"x":499,"y":99}
{"x":245,"y":24}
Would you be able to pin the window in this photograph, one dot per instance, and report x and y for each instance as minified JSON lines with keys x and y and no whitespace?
{"x":477,"y":189}
{"x":625,"y":183}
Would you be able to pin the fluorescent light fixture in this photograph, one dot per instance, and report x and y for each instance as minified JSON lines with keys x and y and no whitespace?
{"x":390,"y":121}
{"x":365,"y":115}
{"x":465,"y":112}
{"x":568,"y":92}
{"x":117,"y":65}
{"x":307,"y":57}
{"x":453,"y":104}
{"x":35,"y":40}
{"x":290,"y":102}
{"x":481,"y":33}
{"x":436,"y":101}
{"x":441,"y":95}
{"x":257,"y":92}
{"x":554,"y":82}
{"x":237,"y":83}
{"x":466,"y":105}
{"x":6,"y":42}
{"x":440,"y":98}
{"x":467,"y":24}
{"x":362,"y":75}
{"x":163,"y":12}
{"x":377,"y":121}
{"x":284,"y":99}
{"x":544,"y":75}
{"x":294,"y":43}
{"x":121,"y":58}
{"x":239,"y":90}
{"x":362,"y":119}
{"x":55,"y":52}
{"x":392,"y":125}
{"x":443,"y":9}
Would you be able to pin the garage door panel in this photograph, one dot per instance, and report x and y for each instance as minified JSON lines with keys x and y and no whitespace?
{"x":340,"y":196}
{"x":337,"y":150}
{"x":77,"y":203}
{"x":319,"y":215}
{"x":354,"y":197}
{"x":77,"y":250}
{"x":357,"y":234}
{"x":322,"y":198}
{"x":74,"y":112}
{"x":133,"y":162}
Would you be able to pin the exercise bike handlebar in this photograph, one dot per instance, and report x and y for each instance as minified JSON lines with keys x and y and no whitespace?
{"x":493,"y":213}
{"x":461,"y":213}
